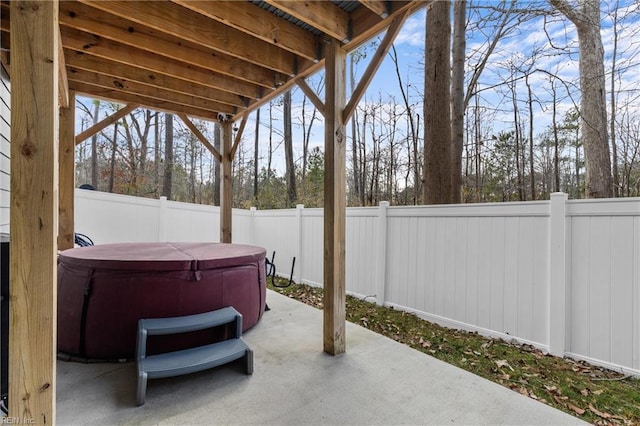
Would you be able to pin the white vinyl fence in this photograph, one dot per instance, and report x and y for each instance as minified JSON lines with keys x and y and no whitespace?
{"x":561,"y":275}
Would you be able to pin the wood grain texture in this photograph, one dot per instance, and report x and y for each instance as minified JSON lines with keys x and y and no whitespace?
{"x":34,"y":210}
{"x":259,"y":23}
{"x":322,"y":15}
{"x":67,"y":168}
{"x":176,"y":20}
{"x":115,"y":28}
{"x":226,"y":193}
{"x":334,"y":201}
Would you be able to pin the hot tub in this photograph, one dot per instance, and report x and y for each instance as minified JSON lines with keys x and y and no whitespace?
{"x":104,"y":290}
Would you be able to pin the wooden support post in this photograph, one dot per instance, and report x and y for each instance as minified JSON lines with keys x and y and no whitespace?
{"x":67,"y":171}
{"x":334,"y":200}
{"x":226,"y":198}
{"x":34,"y":211}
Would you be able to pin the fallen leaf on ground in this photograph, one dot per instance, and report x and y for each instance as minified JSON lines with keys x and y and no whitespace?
{"x":503,"y":363}
{"x":579,"y":411}
{"x":599,"y":413}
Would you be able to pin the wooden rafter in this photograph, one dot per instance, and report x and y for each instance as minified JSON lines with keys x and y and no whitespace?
{"x":176,"y":20}
{"x":198,"y":134}
{"x":379,"y":7}
{"x":322,"y":15}
{"x":113,"y":51}
{"x":94,"y":64}
{"x":107,"y":121}
{"x":373,"y":66}
{"x":259,"y":23}
{"x":152,"y":92}
{"x":99,"y":23}
{"x":367,"y":24}
{"x":110,"y":95}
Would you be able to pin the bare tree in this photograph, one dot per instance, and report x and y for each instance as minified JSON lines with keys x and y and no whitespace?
{"x":168,"y":156}
{"x":437,"y":112}
{"x":290,"y":171}
{"x":255,"y":154}
{"x":94,"y":146}
{"x":585,"y":15}
{"x":457,"y":97}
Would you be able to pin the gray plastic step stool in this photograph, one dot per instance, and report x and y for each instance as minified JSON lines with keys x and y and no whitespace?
{"x":189,"y":360}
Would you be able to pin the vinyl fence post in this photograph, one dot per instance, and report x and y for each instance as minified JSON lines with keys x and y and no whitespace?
{"x":300,"y":242}
{"x":252,"y":225}
{"x":381,"y":261}
{"x":557,"y":274}
{"x":162,"y":222}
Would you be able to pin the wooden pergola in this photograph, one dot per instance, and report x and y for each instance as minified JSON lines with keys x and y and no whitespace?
{"x":216,"y":60}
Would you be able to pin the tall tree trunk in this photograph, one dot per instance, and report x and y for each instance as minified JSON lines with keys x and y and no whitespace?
{"x":288,"y":150}
{"x":457,"y":97}
{"x":437,"y":105}
{"x":168,"y":156}
{"x":532,"y":172}
{"x":517,"y":138}
{"x":270,"y":153}
{"x":114,"y":147}
{"x":586,"y":18}
{"x":156,"y":153}
{"x":412,"y":125}
{"x":556,"y":139}
{"x":94,"y":146}
{"x":355,"y":161}
{"x":614,"y":148}
{"x":256,"y":170}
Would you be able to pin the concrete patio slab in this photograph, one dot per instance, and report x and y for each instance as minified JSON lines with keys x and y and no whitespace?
{"x":377,"y":382}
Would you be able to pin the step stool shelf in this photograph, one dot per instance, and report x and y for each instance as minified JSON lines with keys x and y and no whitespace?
{"x":193,"y":359}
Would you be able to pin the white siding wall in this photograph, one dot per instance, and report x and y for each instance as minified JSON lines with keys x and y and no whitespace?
{"x":483,"y":267}
{"x":5,"y":150}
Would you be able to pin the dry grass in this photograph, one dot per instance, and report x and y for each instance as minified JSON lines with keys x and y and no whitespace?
{"x":593,"y":394}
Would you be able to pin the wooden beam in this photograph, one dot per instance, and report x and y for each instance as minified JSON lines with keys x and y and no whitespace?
{"x":67,"y":172}
{"x":98,"y":92}
{"x":260,"y":23}
{"x":367,"y":25}
{"x":96,"y":22}
{"x":238,"y":138}
{"x":373,"y":66}
{"x":379,"y":7}
{"x":34,"y":211}
{"x":154,"y":92}
{"x":311,"y":94}
{"x":334,"y":201}
{"x":276,"y":93}
{"x":94,"y":64}
{"x":178,"y":21}
{"x":197,"y":133}
{"x":63,"y":83}
{"x":322,"y":15}
{"x":117,"y":52}
{"x":226,"y":194}
{"x":82,"y":136}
